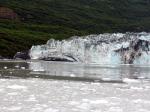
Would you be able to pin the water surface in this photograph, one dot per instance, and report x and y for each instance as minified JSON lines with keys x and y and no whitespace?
{"x":72,"y":71}
{"x":39,"y":86}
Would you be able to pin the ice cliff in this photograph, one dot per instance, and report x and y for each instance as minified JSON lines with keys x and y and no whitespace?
{"x":116,"y":48}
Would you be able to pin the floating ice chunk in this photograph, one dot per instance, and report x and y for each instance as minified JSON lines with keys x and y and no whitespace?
{"x":127,"y":80}
{"x":23,"y":68}
{"x":51,"y":110}
{"x":5,"y":67}
{"x":12,"y":94}
{"x":136,"y":88}
{"x":14,"y":108}
{"x":141,"y":101}
{"x":74,"y":103}
{"x":17,"y":66}
{"x":17,"y":87}
{"x":85,"y":100}
{"x":141,"y":77}
{"x":72,"y":75}
{"x":106,"y":79}
{"x":99,"y":102}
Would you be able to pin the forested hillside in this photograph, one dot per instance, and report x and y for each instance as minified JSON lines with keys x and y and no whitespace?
{"x":27,"y":22}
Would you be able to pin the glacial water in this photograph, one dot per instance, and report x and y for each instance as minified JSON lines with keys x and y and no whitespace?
{"x":45,"y":86}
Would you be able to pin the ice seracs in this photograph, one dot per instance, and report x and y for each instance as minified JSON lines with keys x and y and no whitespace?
{"x":116,"y":48}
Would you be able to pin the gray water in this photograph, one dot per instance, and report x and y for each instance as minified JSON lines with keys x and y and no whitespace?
{"x":40,"y":86}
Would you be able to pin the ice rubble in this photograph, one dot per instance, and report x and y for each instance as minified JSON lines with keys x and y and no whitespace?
{"x":116,"y":48}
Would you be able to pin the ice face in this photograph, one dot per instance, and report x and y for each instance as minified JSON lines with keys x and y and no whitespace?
{"x":117,"y":48}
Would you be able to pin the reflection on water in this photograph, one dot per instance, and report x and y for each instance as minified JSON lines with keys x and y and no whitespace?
{"x":73,"y":71}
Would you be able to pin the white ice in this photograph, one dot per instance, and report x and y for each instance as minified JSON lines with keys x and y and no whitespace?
{"x":36,"y":95}
{"x":92,"y":49}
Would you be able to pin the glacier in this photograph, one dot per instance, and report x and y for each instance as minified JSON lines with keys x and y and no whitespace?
{"x":108,"y":48}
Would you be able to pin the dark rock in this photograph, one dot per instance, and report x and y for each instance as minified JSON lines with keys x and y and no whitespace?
{"x":22,"y":55}
{"x":1,"y":57}
{"x":69,"y":56}
{"x":56,"y":59}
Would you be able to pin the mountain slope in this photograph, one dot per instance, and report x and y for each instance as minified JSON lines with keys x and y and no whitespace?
{"x":40,"y":20}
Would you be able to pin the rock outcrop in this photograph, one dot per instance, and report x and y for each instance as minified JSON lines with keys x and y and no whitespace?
{"x":22,"y":55}
{"x":7,"y":13}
